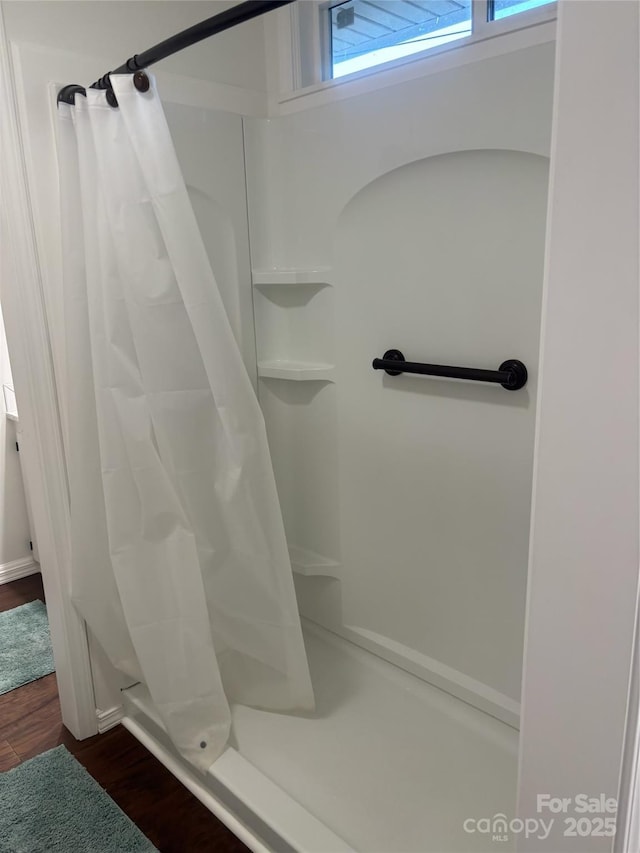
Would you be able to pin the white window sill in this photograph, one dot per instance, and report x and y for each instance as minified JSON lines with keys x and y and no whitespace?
{"x":492,"y":43}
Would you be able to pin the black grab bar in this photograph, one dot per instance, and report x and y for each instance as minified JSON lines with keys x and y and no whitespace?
{"x":512,"y":374}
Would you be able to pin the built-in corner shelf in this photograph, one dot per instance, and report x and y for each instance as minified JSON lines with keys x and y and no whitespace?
{"x":296,"y":371}
{"x":270,"y":277}
{"x":310,"y":564}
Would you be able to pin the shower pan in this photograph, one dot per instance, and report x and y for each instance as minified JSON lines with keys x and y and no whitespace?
{"x":388,"y":762}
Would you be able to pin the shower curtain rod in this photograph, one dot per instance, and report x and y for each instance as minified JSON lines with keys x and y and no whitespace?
{"x":204,"y":30}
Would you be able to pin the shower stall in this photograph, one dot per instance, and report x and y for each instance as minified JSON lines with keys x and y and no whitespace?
{"x":380,"y":256}
{"x":405,"y":499}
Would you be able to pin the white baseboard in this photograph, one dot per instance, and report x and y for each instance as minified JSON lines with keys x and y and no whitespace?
{"x":18,"y":569}
{"x":109,"y":718}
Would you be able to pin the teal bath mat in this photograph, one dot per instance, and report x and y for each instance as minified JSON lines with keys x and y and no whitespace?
{"x":25,"y":645}
{"x":52,"y":805}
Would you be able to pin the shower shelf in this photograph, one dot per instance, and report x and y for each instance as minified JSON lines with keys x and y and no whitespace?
{"x":296,"y":371}
{"x":265,"y":278}
{"x":310,"y":564}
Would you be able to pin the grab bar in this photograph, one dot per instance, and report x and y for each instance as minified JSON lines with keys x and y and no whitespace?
{"x":512,"y":374}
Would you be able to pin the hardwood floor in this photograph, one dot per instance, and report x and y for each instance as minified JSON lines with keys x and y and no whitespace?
{"x":30,"y":723}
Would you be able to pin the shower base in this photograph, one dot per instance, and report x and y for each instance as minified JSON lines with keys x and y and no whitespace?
{"x":386,"y":763}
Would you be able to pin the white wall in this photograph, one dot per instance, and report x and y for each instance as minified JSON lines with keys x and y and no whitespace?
{"x":111,"y":31}
{"x":422,"y":208}
{"x":6,"y":376}
{"x":14,"y":525}
{"x":584,"y":548}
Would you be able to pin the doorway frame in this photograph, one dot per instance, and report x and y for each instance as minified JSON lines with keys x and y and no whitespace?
{"x":32,"y":367}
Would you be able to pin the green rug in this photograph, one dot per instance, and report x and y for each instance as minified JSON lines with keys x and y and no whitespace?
{"x":52,"y":805}
{"x":25,"y":645}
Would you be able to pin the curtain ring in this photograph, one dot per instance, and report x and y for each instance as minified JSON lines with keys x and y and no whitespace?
{"x":141,"y":81}
{"x":111,"y":98}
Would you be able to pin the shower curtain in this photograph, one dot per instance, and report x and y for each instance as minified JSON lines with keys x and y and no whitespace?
{"x":179,"y":559}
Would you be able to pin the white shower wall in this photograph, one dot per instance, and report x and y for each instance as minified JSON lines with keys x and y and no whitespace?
{"x":209,"y":145}
{"x":413,"y":218}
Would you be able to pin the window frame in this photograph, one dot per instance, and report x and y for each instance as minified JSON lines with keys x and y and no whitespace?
{"x":310,"y":32}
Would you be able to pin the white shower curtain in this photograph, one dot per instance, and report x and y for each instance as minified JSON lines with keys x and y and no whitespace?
{"x":179,"y":560}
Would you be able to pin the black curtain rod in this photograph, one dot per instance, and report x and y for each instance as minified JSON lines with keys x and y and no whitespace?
{"x":204,"y":30}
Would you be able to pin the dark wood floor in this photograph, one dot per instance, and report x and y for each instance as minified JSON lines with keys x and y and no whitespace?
{"x":30,"y":723}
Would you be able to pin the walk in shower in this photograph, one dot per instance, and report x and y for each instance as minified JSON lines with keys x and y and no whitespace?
{"x":409,"y":219}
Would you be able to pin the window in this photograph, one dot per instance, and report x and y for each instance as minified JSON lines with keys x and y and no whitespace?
{"x":366,"y":33}
{"x":503,"y":8}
